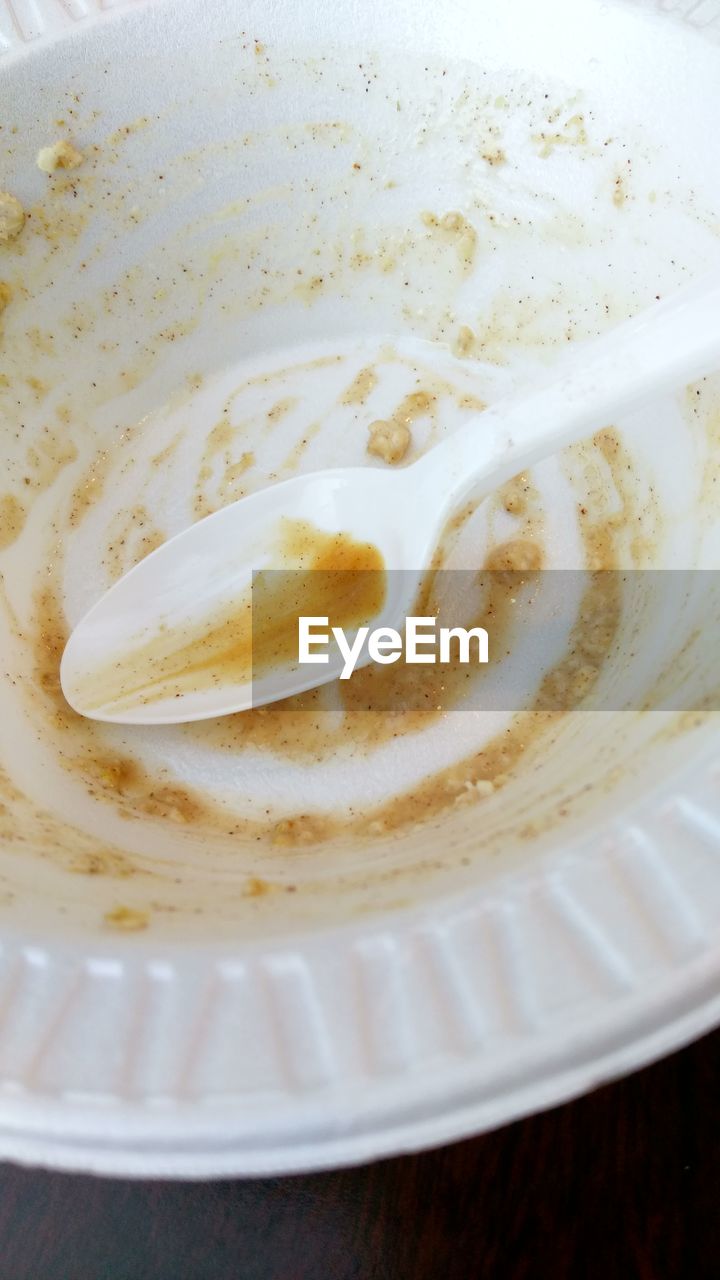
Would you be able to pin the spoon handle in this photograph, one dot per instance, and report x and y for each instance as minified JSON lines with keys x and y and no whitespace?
{"x":660,"y":349}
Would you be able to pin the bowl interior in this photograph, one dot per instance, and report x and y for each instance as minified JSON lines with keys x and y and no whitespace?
{"x":277,"y":235}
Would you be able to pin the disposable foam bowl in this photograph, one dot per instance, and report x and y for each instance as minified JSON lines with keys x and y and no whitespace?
{"x":283,"y":943}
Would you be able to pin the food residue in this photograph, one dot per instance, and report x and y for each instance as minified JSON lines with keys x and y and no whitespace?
{"x":315,"y":574}
{"x":12,"y":519}
{"x":127,"y":919}
{"x":61,"y":155}
{"x":388,"y":440}
{"x":12,"y":217}
{"x":464,"y":342}
{"x":514,"y":495}
{"x":391,"y":438}
{"x":360,"y":387}
{"x":456,"y":228}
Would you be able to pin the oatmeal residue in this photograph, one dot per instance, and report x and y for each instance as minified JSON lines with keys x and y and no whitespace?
{"x":61,"y":155}
{"x":12,"y":217}
{"x":127,"y":919}
{"x":391,"y":438}
{"x":314,"y":573}
{"x":388,"y":440}
{"x":12,"y":519}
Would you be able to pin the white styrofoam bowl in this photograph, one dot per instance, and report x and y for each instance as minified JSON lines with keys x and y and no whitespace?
{"x":393,"y":994}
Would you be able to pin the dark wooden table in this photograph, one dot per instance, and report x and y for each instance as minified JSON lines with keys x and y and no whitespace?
{"x":621,"y":1185}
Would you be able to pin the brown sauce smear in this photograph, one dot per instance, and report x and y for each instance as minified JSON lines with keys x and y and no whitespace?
{"x":302,"y":728}
{"x":256,"y":635}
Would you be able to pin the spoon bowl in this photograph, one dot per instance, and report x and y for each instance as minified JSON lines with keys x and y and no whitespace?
{"x":207,"y":572}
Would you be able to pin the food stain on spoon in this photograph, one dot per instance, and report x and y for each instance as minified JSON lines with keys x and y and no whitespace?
{"x":312,"y":573}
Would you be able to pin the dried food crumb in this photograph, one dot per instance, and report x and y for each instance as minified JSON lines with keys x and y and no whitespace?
{"x":61,"y":155}
{"x":388,"y":440}
{"x":12,"y":217}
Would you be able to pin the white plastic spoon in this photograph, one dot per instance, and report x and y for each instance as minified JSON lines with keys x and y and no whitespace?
{"x":401,"y":512}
